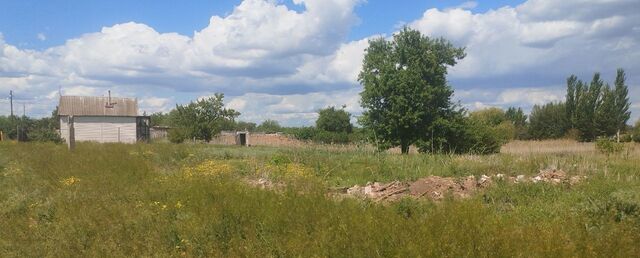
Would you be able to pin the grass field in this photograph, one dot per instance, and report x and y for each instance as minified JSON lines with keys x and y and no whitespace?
{"x":166,"y":200}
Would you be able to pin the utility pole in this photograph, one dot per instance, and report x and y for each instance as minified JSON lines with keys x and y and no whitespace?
{"x":24,"y":113}
{"x":11,"y":101}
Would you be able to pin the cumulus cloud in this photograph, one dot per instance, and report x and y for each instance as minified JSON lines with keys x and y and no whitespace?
{"x":261,"y":46}
{"x":532,"y":39}
{"x":294,"y":109}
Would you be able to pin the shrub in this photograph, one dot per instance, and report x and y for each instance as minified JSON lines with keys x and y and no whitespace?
{"x":334,"y":120}
{"x":45,"y":135}
{"x":177,"y":135}
{"x":626,"y":138}
{"x":608,"y":146}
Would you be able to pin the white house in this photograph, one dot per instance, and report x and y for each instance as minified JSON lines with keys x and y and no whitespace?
{"x":102,"y":119}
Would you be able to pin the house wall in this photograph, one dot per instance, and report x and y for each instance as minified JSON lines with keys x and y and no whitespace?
{"x":101,"y":128}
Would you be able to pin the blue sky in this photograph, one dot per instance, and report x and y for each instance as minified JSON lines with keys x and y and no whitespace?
{"x":284,"y":60}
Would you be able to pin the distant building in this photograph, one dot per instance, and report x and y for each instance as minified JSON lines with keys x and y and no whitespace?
{"x":102,"y":119}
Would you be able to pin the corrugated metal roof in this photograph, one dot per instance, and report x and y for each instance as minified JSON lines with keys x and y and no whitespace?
{"x":97,"y":106}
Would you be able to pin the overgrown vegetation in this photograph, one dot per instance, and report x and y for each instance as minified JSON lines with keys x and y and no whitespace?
{"x":191,"y":200}
{"x":29,"y":129}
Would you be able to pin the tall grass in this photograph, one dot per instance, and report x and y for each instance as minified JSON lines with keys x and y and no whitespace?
{"x":117,"y":200}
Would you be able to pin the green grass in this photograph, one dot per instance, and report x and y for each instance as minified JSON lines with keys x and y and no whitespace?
{"x":135,"y":200}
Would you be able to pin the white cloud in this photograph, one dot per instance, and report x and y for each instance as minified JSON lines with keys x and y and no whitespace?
{"x":515,"y":39}
{"x":530,"y":96}
{"x":41,"y":36}
{"x":295,"y":109}
{"x":155,"y":104}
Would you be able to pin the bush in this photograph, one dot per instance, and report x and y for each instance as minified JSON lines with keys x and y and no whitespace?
{"x":636,"y":132}
{"x":482,"y":138}
{"x":334,"y":120}
{"x":608,"y":146}
{"x":177,"y":135}
{"x":45,"y":135}
{"x":626,"y":138}
{"x":323,"y":136}
{"x":505,"y":131}
{"x":462,"y":135}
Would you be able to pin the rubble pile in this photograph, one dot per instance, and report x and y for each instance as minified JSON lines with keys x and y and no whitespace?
{"x":436,"y":187}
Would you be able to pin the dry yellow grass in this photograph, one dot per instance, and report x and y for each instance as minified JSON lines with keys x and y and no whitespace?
{"x":558,"y":147}
{"x":548,"y":146}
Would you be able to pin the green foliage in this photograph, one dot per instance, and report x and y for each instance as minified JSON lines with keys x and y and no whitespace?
{"x":596,"y":109}
{"x":463,"y":135}
{"x":28,"y":129}
{"x":405,"y":86}
{"x":605,"y":117}
{"x":334,"y":120}
{"x":621,"y":100}
{"x":160,"y":119}
{"x":608,"y":146}
{"x":519,"y":121}
{"x":491,"y":116}
{"x":177,"y":135}
{"x":548,"y":121}
{"x":245,"y":126}
{"x":321,"y":136}
{"x":202,"y":119}
{"x":636,"y":131}
{"x":269,"y":126}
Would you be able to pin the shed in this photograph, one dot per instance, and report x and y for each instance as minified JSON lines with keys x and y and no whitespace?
{"x":102,"y":119}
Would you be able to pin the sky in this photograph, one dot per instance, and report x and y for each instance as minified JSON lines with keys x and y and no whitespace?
{"x":284,"y":60}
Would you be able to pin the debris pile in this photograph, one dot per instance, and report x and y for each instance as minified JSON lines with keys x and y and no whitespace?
{"x":432,"y":187}
{"x":553,"y":176}
{"x":436,"y":187}
{"x":379,"y":191}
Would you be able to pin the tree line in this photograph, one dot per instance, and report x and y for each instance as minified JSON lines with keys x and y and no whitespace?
{"x":590,"y":110}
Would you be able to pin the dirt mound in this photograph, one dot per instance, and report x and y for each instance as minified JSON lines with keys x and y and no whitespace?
{"x":379,"y":191}
{"x":432,"y":187}
{"x":436,"y":187}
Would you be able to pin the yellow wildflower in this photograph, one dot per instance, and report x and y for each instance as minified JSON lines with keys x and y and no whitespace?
{"x":208,"y":168}
{"x":178,"y":205}
{"x":70,"y":181}
{"x":297,"y":170}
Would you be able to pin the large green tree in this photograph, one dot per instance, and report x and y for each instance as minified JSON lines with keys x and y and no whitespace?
{"x":269,"y":126}
{"x":622,"y":103}
{"x":519,"y":120}
{"x":571,"y":101}
{"x":334,"y":120}
{"x":548,"y":121}
{"x":405,"y":87}
{"x":202,"y":119}
{"x":605,"y":118}
{"x":588,"y":102}
{"x":595,"y":109}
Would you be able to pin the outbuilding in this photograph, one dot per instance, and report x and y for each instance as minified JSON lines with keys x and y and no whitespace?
{"x":102,"y":119}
